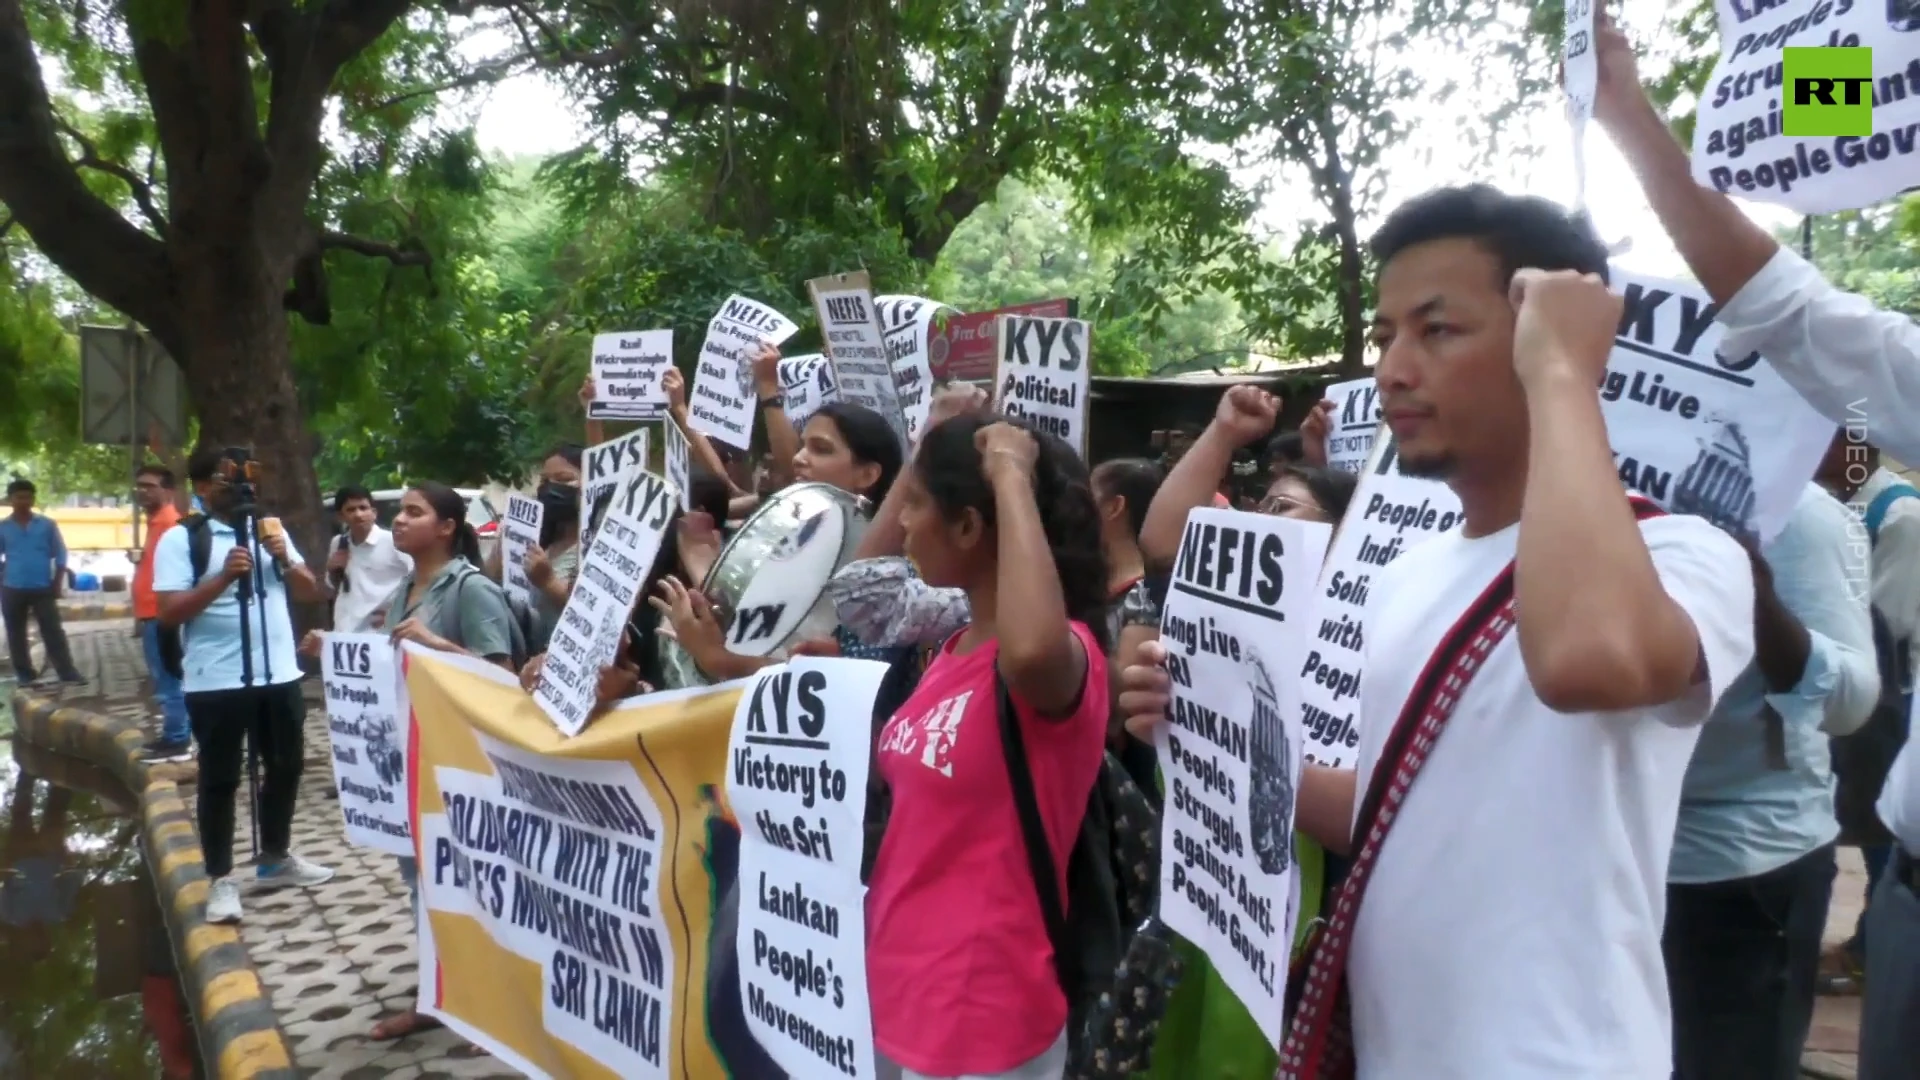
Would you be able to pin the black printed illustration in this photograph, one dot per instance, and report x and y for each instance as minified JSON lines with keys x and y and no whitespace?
{"x":1270,"y":802}
{"x":743,"y":377}
{"x":383,"y":748}
{"x":796,"y":541}
{"x":1718,"y":486}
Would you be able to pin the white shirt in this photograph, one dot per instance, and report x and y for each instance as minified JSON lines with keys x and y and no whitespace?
{"x":1855,"y":363}
{"x":1512,"y":926}
{"x":229,"y":645}
{"x":1896,"y":561}
{"x":374,"y":569}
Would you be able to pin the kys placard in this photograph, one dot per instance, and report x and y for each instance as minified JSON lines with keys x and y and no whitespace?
{"x":797,"y":781}
{"x":1231,"y":754}
{"x":1045,"y":374}
{"x":367,"y":730}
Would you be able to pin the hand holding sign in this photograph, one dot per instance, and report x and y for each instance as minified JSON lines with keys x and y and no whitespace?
{"x":766,"y":370}
{"x":1564,"y":324}
{"x":1145,"y":691}
{"x":1314,"y":432}
{"x":674,"y":385}
{"x":1618,"y":93}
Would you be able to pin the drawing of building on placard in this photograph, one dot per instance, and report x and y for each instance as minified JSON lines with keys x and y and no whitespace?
{"x":1718,"y":486}
{"x":1270,"y":802}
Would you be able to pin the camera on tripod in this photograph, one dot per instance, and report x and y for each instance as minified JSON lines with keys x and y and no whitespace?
{"x":241,"y":470}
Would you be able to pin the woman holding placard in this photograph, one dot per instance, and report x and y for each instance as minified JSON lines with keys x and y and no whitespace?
{"x":958,"y":956}
{"x":446,"y":604}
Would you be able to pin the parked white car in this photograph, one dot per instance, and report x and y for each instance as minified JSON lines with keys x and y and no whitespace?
{"x":480,"y":514}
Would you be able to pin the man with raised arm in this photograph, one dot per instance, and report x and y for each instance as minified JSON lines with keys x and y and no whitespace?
{"x":1535,"y":683}
{"x":1854,"y":362}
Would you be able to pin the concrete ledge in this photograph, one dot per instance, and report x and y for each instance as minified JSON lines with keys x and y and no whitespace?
{"x":240,"y":1036}
{"x":84,"y":607}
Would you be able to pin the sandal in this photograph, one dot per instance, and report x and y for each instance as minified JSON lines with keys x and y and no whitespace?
{"x":402,"y":1024}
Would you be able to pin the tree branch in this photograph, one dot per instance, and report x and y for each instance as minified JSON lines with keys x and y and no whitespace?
{"x":90,"y":159}
{"x":406,"y":255}
{"x":103,"y":252}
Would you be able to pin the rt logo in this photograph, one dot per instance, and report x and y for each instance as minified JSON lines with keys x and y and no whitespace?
{"x":1830,"y":92}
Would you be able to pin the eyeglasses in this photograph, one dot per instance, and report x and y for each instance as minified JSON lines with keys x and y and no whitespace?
{"x":1277,"y":505}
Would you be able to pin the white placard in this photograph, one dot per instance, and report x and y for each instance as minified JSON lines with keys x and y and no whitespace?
{"x":533,"y":869}
{"x":626,"y":375}
{"x":1233,"y":627}
{"x":1738,"y":144}
{"x":1723,"y":437}
{"x":856,"y":346}
{"x":807,"y":383}
{"x":1356,"y":419}
{"x":606,"y":463}
{"x":907,"y":323}
{"x":368,"y":727}
{"x":723,"y":401}
{"x":604,"y":591}
{"x":797,"y":782}
{"x":519,"y":534}
{"x":1580,"y":80}
{"x":1390,"y":513}
{"x":1044,"y":374}
{"x":678,"y":471}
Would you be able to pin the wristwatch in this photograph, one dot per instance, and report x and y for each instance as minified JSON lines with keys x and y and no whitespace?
{"x":774,"y":401}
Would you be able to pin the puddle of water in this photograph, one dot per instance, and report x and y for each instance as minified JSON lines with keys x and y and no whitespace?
{"x":87,"y":981}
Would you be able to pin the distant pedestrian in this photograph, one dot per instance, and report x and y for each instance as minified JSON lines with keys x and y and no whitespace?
{"x":153,"y":489}
{"x":33,"y":578}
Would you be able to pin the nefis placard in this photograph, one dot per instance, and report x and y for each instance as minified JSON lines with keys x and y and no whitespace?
{"x":797,"y":781}
{"x":722,"y":403}
{"x":1231,"y":753}
{"x":519,"y":534}
{"x":367,"y":732}
{"x":850,"y":326}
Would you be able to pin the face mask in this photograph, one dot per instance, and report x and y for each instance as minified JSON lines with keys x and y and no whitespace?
{"x":562,"y":501}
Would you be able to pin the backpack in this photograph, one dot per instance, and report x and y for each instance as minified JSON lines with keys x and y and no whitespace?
{"x":520,"y":622}
{"x":1113,"y":882}
{"x":1862,"y":759}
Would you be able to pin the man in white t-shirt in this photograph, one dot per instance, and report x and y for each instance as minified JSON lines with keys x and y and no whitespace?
{"x":1503,"y":915}
{"x":363,"y":567}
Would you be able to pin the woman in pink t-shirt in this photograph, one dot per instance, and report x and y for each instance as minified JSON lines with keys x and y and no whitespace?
{"x":962,"y":977}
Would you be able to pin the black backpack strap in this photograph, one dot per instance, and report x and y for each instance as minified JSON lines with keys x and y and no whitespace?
{"x":1046,"y":879}
{"x":199,"y":545}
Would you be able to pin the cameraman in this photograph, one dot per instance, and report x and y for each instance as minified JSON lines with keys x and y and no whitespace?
{"x":240,"y":672}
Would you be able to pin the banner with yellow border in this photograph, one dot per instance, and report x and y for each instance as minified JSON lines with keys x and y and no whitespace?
{"x":569,"y":886}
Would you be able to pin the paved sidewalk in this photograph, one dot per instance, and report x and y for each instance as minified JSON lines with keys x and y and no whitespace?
{"x":334,"y":959}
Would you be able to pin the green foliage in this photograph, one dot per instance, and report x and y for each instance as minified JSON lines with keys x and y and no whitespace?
{"x":1874,"y":252}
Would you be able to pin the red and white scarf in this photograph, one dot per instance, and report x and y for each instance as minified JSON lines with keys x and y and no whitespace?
{"x":1319,"y":1042}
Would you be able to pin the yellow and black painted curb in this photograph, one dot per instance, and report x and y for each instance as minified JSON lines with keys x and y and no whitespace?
{"x":74,"y":609}
{"x":240,"y":1036}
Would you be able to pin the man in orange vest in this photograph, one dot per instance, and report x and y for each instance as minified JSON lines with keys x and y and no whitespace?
{"x":153,"y":489}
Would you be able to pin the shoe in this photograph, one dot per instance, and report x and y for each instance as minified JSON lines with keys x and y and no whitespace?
{"x":292,"y":870}
{"x":223,"y":900}
{"x":156,"y":751}
{"x":73,"y":680}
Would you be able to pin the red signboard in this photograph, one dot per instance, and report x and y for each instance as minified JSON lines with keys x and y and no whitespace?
{"x":965,"y":349}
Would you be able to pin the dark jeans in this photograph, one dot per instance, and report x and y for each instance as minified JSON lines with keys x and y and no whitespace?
{"x":45,"y":606}
{"x":1890,"y":1008}
{"x":273,"y":718}
{"x":1742,"y":961}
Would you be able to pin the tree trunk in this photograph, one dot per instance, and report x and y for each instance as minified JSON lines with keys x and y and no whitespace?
{"x":234,"y":355}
